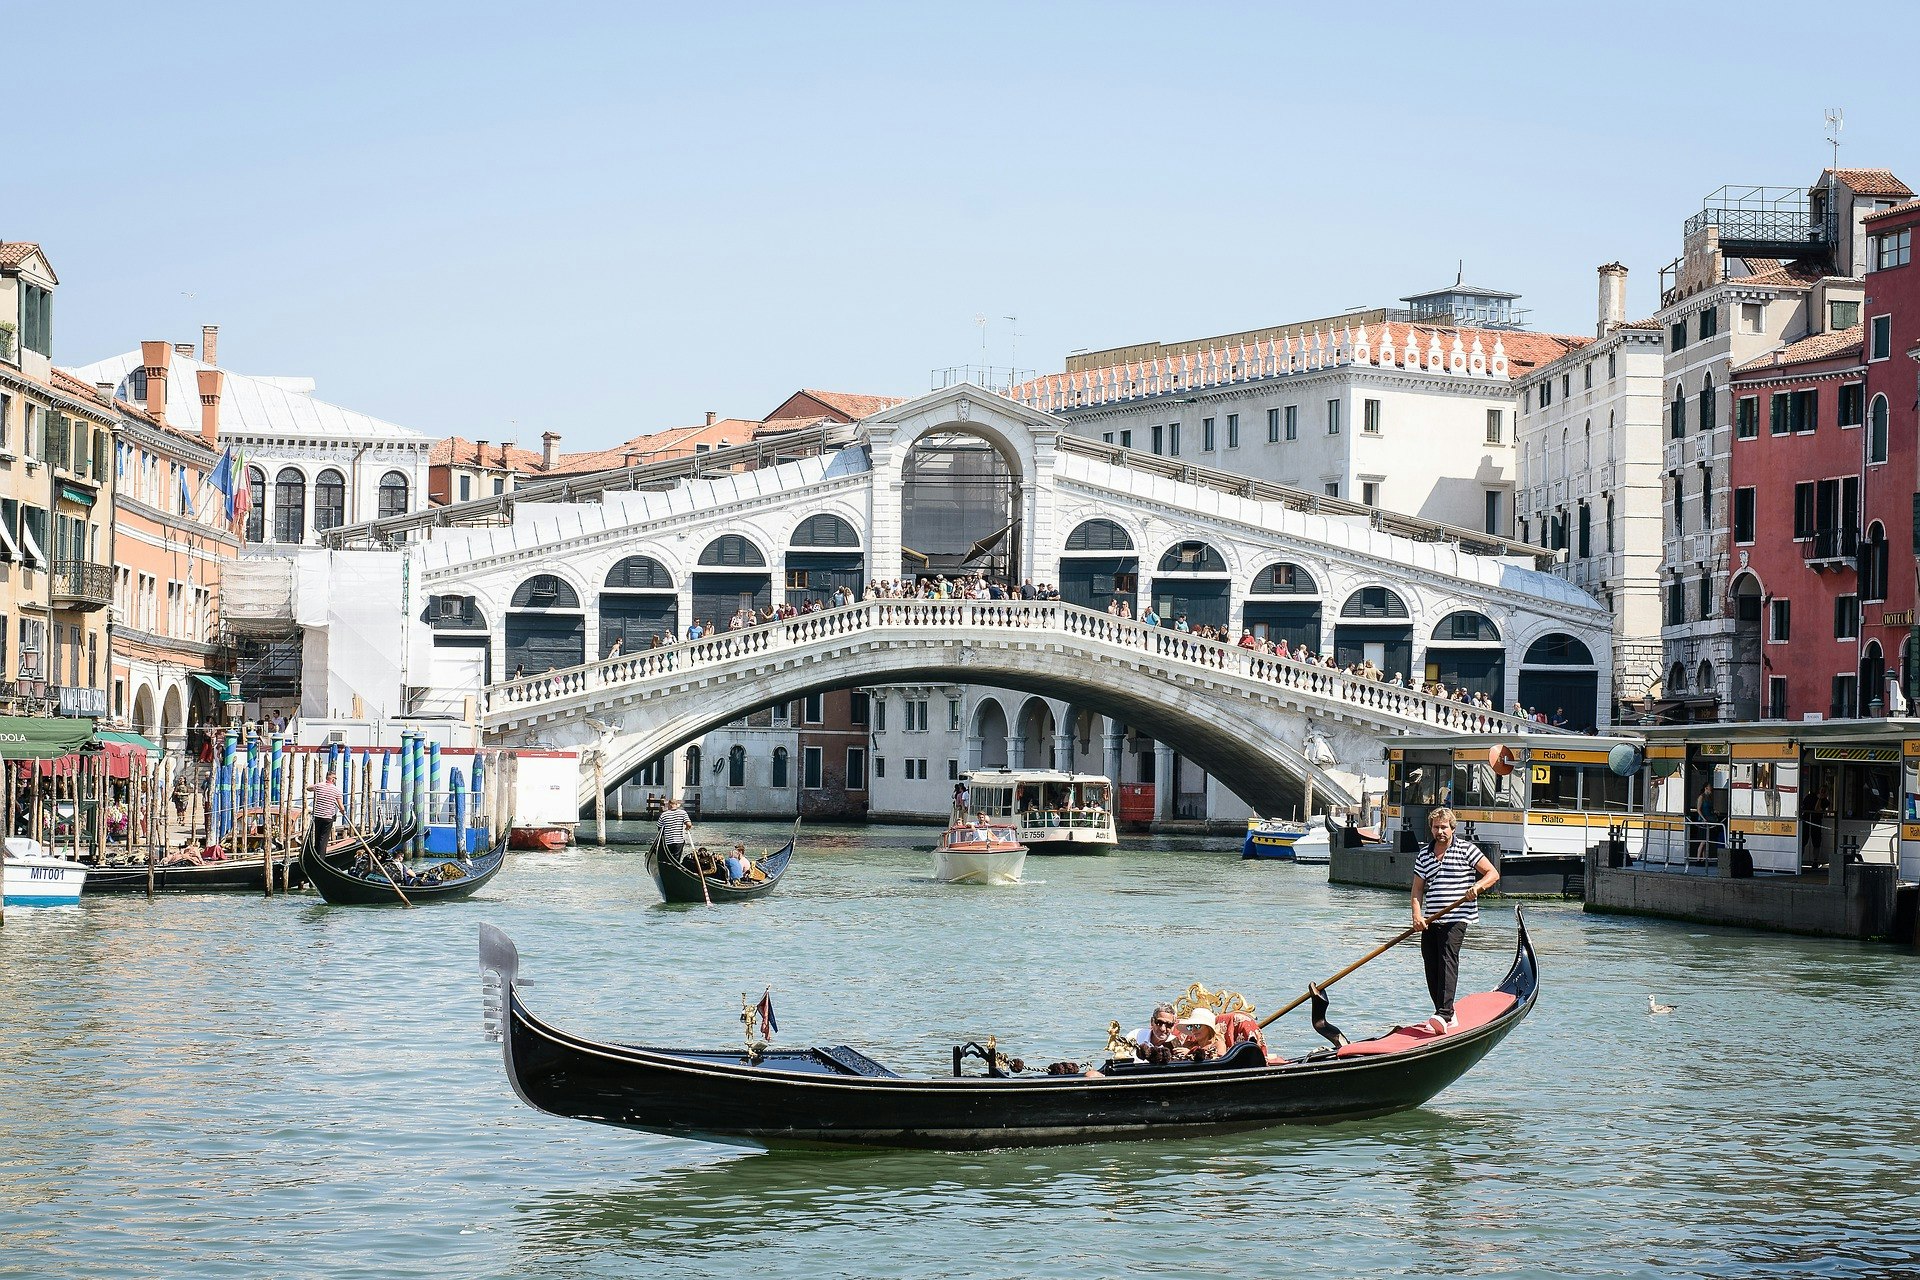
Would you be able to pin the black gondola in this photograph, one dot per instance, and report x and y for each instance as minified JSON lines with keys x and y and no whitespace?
{"x":339,"y":884}
{"x":837,"y":1096}
{"x":679,"y":881}
{"x":205,"y":877}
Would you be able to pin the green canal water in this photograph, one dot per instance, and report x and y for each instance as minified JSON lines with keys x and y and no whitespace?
{"x":234,"y":1086}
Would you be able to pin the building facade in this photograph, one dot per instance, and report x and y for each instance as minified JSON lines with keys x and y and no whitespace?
{"x":1588,"y":453}
{"x":1890,"y":322}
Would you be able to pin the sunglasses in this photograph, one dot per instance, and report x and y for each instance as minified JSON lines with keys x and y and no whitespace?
{"x":1160,"y":1022}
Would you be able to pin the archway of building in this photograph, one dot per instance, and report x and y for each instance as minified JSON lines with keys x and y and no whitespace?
{"x":173,"y":713}
{"x":143,"y":722}
{"x":960,"y":498}
{"x":1743,"y":674}
{"x":987,"y":743}
{"x":1033,"y":736}
{"x":546,"y":629}
{"x":1465,"y":652}
{"x":1873,"y":680}
{"x":1558,"y":677}
{"x":1100,"y":569}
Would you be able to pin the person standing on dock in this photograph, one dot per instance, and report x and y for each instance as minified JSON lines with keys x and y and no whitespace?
{"x":673,"y":827}
{"x":325,"y":804}
{"x":1446,"y":871}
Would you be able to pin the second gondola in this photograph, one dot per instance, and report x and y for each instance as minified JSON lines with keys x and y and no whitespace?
{"x":686,"y":879}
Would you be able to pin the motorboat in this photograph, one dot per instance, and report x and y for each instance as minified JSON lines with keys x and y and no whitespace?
{"x":1272,"y":838}
{"x":33,"y":877}
{"x":979,"y":853}
{"x":1051,"y":811}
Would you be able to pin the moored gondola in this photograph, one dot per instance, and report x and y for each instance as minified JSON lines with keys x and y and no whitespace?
{"x":679,"y":880}
{"x":193,"y":877}
{"x":837,"y":1096}
{"x":340,"y":883}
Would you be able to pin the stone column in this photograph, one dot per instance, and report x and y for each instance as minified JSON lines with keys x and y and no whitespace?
{"x":1115,"y":742}
{"x":1016,"y":751}
{"x":1063,"y":750}
{"x":973,"y":757}
{"x":1164,"y":783}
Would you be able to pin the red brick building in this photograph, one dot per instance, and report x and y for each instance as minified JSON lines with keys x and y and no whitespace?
{"x":1890,"y":317}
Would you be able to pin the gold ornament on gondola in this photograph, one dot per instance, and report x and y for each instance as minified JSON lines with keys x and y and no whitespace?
{"x":1196,"y":996}
{"x":1118,"y":1046}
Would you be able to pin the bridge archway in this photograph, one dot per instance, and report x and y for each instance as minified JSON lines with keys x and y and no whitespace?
{"x":638,"y":601}
{"x":1558,"y":677}
{"x":1192,"y":579}
{"x":1283,"y":605}
{"x":1099,"y":567}
{"x":732,"y":577}
{"x":546,"y":627}
{"x":823,"y":555}
{"x":989,"y":737}
{"x":1375,"y":626}
{"x":462,"y":642}
{"x":959,"y":504}
{"x":1034,"y":735}
{"x":1465,"y":652}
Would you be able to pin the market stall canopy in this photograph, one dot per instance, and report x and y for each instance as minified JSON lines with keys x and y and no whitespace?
{"x":42,"y":737}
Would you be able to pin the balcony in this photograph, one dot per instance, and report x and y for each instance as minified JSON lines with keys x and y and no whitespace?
{"x":1832,"y":549}
{"x":1766,"y":222}
{"x":82,"y":584}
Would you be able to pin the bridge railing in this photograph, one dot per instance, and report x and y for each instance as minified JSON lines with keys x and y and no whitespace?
{"x":1175,"y":651}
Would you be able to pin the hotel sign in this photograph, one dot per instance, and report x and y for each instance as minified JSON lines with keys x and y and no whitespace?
{"x":1902,"y":618}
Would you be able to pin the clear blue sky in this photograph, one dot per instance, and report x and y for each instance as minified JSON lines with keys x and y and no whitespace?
{"x":603,"y":219}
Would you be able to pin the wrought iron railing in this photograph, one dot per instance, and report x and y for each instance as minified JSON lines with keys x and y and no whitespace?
{"x":82,"y":582}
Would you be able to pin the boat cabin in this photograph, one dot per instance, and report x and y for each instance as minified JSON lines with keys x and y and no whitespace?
{"x":1041,"y":797}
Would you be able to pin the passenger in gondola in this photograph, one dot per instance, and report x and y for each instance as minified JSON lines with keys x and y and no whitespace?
{"x":1159,"y":1040}
{"x":1201,"y":1034}
{"x":736,"y":864}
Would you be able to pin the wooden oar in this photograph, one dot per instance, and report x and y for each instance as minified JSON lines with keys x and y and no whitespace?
{"x":393,"y":881}
{"x":1374,"y":954}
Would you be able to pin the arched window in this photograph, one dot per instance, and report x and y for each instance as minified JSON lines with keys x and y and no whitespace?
{"x":732,"y":551}
{"x":737,"y":767}
{"x":1467,"y":627}
{"x":1677,"y":415}
{"x":779,"y":779}
{"x":545,"y":591}
{"x":1284,"y":579}
{"x":329,"y":500}
{"x":1374,"y":603}
{"x":824,"y":531}
{"x":1707,"y":404}
{"x":692,"y":773}
{"x":1562,"y":650}
{"x":1677,"y":679}
{"x":1873,"y":679}
{"x":453,"y":613}
{"x":1877,"y":430}
{"x":639,"y":573}
{"x":1099,"y":535}
{"x":289,"y":506}
{"x":1704,"y":680}
{"x":256,"y":530}
{"x":1192,"y":557}
{"x":393,"y":494}
{"x":1873,"y":564}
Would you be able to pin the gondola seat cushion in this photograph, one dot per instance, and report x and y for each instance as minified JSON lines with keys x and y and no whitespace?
{"x":1476,"y":1010}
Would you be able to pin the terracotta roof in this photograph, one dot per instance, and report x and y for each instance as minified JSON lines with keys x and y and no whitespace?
{"x":671,"y":443}
{"x":1648,"y":323}
{"x":15,"y":252}
{"x":1792,"y":275}
{"x":1904,"y":207}
{"x":855,"y":407}
{"x":461,"y":450}
{"x":1870,"y":182}
{"x":1818,"y":346}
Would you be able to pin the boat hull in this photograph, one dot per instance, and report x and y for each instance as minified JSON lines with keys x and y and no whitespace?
{"x":681,"y":884}
{"x":341,"y":887}
{"x":42,"y":882}
{"x":838,"y":1098}
{"x":1068,"y":842}
{"x":539,"y":839}
{"x":961,"y":866}
{"x":209,"y":877}
{"x":1314,"y":849}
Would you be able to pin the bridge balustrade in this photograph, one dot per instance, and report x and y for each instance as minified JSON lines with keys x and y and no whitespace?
{"x":1175,"y":651}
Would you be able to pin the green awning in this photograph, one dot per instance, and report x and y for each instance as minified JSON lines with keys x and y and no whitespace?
{"x":131,"y":739}
{"x":72,"y":494}
{"x":214,"y":683}
{"x":42,"y":737}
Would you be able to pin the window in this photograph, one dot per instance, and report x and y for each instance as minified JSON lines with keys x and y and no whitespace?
{"x":1273,"y":427}
{"x":778,"y":779}
{"x":1709,"y":323}
{"x":1845,"y":697}
{"x":916,"y":715}
{"x":1846,"y":617}
{"x":466,"y":488}
{"x":737,"y":767}
{"x":1880,"y":338}
{"x":1709,"y":409}
{"x":1370,"y":417}
{"x":879,"y":766}
{"x":1566,"y":385}
{"x":330,"y":500}
{"x":1546,"y":392}
{"x":1779,"y":621}
{"x":1746,"y":417}
{"x":1803,"y":503}
{"x":1206,"y":435}
{"x":499,"y":485}
{"x":1173,"y":439}
{"x":6,"y":433}
{"x":256,"y":529}
{"x":1873,"y":564}
{"x":1706,"y":596}
{"x":810,"y":758}
{"x":1877,"y":430}
{"x":1585,"y":544}
{"x":1496,"y":426}
{"x":1753,"y":317}
{"x":1233,"y":431}
{"x":879,"y":715}
{"x":289,"y":506}
{"x":1159,"y":439}
{"x":1743,"y":500}
{"x":1293,"y":422}
{"x":1333,"y":417}
{"x":1679,"y":502}
{"x":1492,"y":498}
{"x":1676,"y":603}
{"x":1370,"y":492}
{"x":1895,"y":249}
{"x":953,"y":715}
{"x":813,"y":712}
{"x":1678,"y":334}
{"x":953,"y":770}
{"x":1587,"y":374}
{"x":1677,"y":414}
{"x":1333,"y":488}
{"x":856,"y":768}
{"x":859,"y":708}
{"x":1613,"y":365}
{"x":1851,"y":395}
{"x":393,"y":495}
{"x":36,"y":319}
{"x":916,"y":770}
{"x":1842,"y":315}
{"x":1776,"y":697}
{"x":1126,"y":439}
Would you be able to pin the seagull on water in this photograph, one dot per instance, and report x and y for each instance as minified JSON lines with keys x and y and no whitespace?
{"x":1654,"y":1006}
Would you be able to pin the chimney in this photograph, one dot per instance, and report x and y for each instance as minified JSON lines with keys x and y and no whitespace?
{"x":712,"y":417}
{"x":209,"y":343}
{"x":184,"y":348}
{"x":155,"y":357}
{"x":549,"y":450}
{"x":211,"y":381}
{"x":1613,"y":299}
{"x":506,"y":455}
{"x":480,"y":454}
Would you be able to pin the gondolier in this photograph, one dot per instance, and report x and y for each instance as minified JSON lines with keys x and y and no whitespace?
{"x":325,"y":804}
{"x":1443,"y":873}
{"x":673,"y":827}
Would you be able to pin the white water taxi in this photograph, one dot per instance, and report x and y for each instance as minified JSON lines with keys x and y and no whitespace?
{"x":35,"y":878}
{"x":978,"y":853}
{"x":1051,"y":812}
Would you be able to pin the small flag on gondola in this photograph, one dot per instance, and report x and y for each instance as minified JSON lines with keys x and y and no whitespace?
{"x":768,"y":1026}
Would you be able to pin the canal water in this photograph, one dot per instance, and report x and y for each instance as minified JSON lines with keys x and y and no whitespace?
{"x":235,"y":1086}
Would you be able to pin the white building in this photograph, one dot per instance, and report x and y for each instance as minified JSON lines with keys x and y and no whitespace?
{"x":1590,"y":482}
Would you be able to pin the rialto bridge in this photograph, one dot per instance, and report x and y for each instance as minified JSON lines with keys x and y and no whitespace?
{"x":566,"y":621}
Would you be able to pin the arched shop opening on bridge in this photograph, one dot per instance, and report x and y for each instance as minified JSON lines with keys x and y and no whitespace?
{"x":1375,"y":627}
{"x":1465,"y":652}
{"x":546,"y":627}
{"x":637,"y":604}
{"x":1099,"y":567}
{"x":1283,"y":606}
{"x":958,"y":498}
{"x":1558,"y":677}
{"x":462,"y":643}
{"x":824,"y":554}
{"x":1193,"y":581}
{"x":732,"y":577}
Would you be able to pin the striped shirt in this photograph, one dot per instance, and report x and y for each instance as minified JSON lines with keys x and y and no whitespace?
{"x":673,"y":826}
{"x":327,"y":802}
{"x":1448,"y":879}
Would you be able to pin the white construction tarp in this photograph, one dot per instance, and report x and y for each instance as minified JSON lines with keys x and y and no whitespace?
{"x":256,"y":595}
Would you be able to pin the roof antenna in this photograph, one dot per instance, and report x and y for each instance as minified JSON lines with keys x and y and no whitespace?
{"x":1836,"y":121}
{"x":1460,"y":275}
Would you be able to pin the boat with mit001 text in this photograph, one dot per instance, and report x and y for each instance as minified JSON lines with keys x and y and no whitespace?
{"x":32,"y":877}
{"x":836,"y":1095}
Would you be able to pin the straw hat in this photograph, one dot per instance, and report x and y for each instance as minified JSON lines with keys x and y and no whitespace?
{"x":1201,"y":1017}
